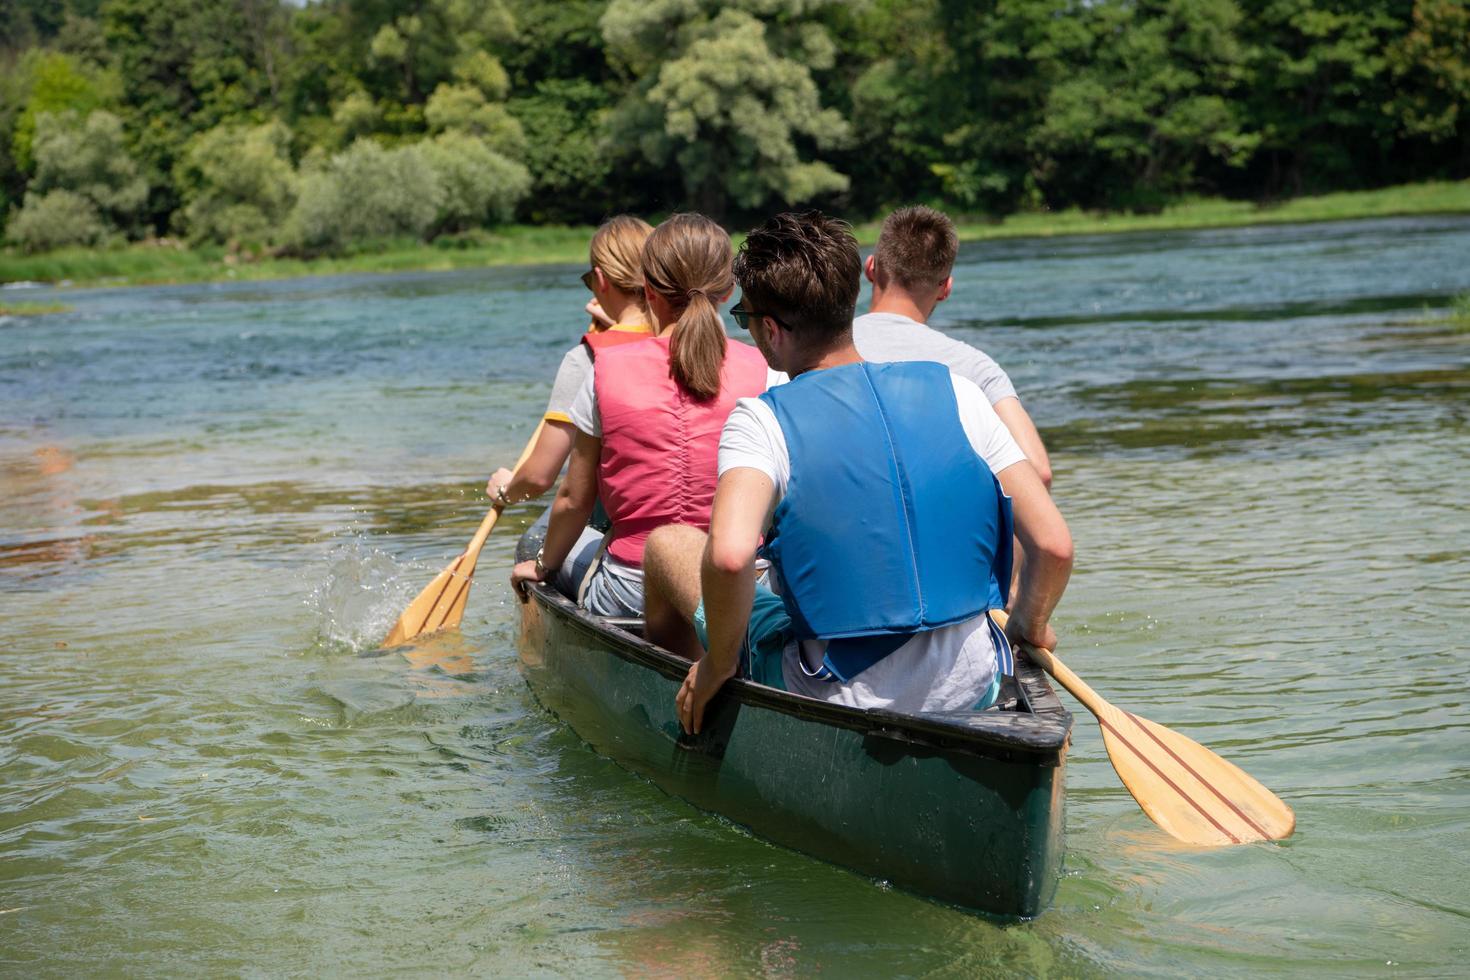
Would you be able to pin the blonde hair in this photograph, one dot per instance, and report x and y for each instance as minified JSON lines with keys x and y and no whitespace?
{"x":687,"y":261}
{"x":617,"y":249}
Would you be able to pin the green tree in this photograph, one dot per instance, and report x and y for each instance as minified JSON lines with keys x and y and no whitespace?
{"x":365,"y":192}
{"x":464,"y":108}
{"x":54,"y":82}
{"x":578,"y":175}
{"x":477,"y":185}
{"x":186,"y":66}
{"x":1151,"y":99}
{"x":87,"y":156}
{"x":954,"y":93}
{"x":1430,"y":66}
{"x":1319,"y":83}
{"x":237,"y":183}
{"x":727,"y":96}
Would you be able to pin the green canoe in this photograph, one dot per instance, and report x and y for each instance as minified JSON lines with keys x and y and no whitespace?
{"x":963,"y":807}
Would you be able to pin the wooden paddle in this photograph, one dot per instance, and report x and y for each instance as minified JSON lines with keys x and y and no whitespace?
{"x":441,"y":604}
{"x":1184,"y":787}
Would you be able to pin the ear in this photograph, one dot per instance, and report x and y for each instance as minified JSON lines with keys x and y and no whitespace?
{"x":728,"y":293}
{"x":945,"y":290}
{"x":603,"y":284}
{"x":870,"y":269}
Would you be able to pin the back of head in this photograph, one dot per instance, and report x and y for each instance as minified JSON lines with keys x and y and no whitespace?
{"x":803,"y":269}
{"x":617,"y":249}
{"x":687,"y":261}
{"x":916,"y":249}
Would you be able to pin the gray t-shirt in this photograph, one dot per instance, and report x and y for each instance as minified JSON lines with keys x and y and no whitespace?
{"x":576,"y":367}
{"x":895,"y":337}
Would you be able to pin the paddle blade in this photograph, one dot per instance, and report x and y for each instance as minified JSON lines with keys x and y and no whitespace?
{"x":1188,"y":790}
{"x":439,"y":606}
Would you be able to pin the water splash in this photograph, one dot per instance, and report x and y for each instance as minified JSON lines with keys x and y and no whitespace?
{"x":363,"y":592}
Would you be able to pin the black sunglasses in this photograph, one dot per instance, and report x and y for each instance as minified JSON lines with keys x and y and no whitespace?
{"x":743,"y":316}
{"x":588,"y":278}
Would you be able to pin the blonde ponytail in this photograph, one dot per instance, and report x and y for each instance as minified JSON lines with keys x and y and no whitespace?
{"x":687,"y":261}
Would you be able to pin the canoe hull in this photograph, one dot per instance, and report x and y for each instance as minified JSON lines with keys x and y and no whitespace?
{"x":929,"y":808}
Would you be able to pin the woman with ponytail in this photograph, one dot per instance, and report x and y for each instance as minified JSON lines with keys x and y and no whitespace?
{"x":648,"y":419}
{"x":620,"y":314}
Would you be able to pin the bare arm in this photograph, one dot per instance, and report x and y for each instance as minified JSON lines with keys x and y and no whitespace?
{"x":1023,"y":430}
{"x":541,"y":468}
{"x":1048,"y":546}
{"x":570,"y":511}
{"x":743,"y":501}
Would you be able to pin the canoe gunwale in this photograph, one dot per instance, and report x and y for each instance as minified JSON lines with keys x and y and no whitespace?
{"x":1036,"y":738}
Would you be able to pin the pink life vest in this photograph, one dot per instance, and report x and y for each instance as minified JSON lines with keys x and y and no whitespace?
{"x":659,"y":445}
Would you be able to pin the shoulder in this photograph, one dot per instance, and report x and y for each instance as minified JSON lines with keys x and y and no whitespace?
{"x":578,"y":357}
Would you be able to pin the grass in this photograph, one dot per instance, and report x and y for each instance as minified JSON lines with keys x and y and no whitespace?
{"x":163,"y":262}
{"x":33,"y":309}
{"x":1460,"y":312}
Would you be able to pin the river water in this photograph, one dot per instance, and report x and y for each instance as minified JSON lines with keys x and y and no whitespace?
{"x":214,"y":498}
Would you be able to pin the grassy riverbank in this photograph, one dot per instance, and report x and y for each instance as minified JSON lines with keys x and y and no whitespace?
{"x":523,"y":245}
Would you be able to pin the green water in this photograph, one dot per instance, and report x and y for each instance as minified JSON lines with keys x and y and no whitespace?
{"x":214,"y":498}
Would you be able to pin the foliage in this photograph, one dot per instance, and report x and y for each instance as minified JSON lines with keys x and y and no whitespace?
{"x":727,"y":97}
{"x":574,"y":173}
{"x":1152,"y":100}
{"x":464,"y":108}
{"x":55,"y":220}
{"x":237,"y":183}
{"x":364,"y":192}
{"x":729,"y":106}
{"x":87,"y":157}
{"x":477,"y":186}
{"x":54,"y":82}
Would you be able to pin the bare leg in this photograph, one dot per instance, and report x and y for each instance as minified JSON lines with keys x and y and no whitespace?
{"x":671,"y":560}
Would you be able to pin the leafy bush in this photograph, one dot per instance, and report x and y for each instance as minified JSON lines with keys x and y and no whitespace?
{"x":465,"y":108}
{"x":54,"y":82}
{"x":237,"y":183}
{"x":87,"y":157}
{"x":477,"y":185}
{"x":364,"y":192}
{"x":55,"y":220}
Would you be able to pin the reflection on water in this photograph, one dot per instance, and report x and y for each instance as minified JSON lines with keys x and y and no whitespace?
{"x":214,"y":500}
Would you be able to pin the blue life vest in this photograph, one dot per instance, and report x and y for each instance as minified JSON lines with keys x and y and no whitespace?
{"x":891,"y":524}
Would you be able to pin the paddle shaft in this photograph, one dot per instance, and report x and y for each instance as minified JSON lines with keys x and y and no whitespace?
{"x":472,"y":553}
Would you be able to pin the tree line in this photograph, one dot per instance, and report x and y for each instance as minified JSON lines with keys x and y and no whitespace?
{"x":308,"y":127}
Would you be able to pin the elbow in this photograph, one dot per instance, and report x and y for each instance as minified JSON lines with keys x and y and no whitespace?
{"x":534,"y":485}
{"x":727,"y":558}
{"x":1043,"y":470}
{"x":1056,"y":549}
{"x":575,"y":497}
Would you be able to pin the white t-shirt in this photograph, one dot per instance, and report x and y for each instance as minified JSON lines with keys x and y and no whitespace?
{"x":948,"y":669}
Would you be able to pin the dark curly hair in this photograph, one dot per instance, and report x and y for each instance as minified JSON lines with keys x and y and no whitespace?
{"x":802,"y":269}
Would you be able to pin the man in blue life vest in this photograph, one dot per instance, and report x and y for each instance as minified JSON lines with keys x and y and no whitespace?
{"x":885,"y":494}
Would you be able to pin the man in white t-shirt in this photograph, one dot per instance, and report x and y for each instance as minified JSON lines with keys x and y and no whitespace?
{"x":885,"y":494}
{"x":910,"y":272}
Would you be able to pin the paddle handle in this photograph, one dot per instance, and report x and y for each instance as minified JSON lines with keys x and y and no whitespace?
{"x":472,"y":553}
{"x":1048,"y":662}
{"x":1075,"y":685}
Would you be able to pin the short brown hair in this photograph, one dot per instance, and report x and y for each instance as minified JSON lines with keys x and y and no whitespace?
{"x":803,"y":269}
{"x":916,"y":248}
